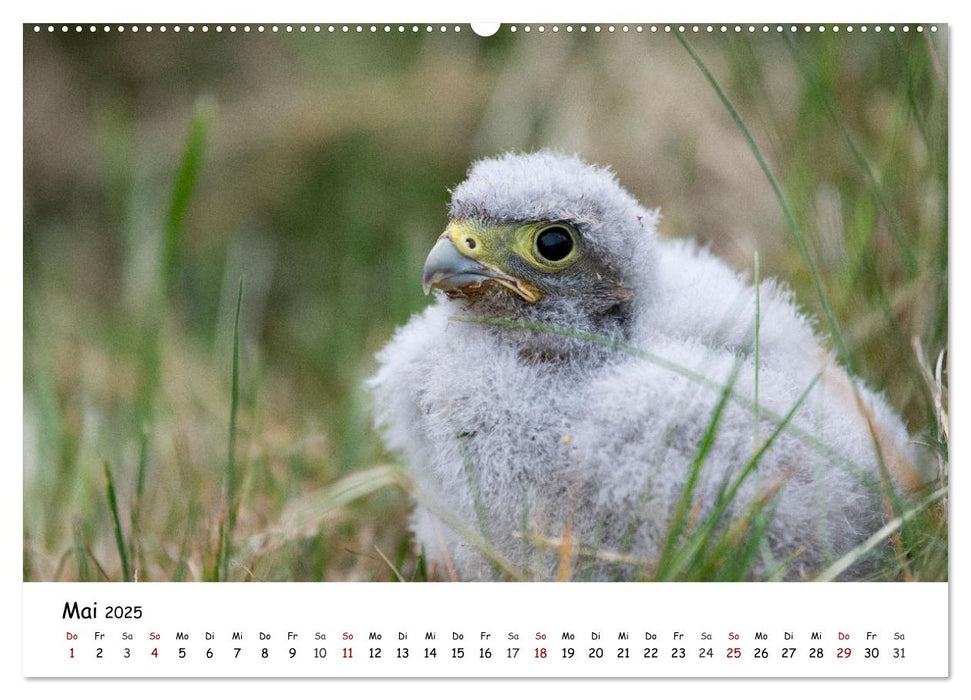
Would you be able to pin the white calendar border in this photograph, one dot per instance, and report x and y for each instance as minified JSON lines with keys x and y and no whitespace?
{"x":605,"y":10}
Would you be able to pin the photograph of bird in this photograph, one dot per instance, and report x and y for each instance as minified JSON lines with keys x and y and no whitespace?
{"x":580,"y":383}
{"x":284,"y":322}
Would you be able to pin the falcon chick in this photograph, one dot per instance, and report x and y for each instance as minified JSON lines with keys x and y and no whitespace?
{"x":580,"y":386}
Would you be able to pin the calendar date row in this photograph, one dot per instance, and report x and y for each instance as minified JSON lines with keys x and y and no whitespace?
{"x":461,"y":652}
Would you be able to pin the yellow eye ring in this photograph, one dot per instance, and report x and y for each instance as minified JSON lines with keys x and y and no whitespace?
{"x":554,"y":245}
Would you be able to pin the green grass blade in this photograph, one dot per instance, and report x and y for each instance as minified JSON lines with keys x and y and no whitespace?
{"x":80,"y":555}
{"x":824,"y":96}
{"x":219,"y":554}
{"x":84,"y":554}
{"x":794,"y":227}
{"x":913,"y":62}
{"x":142,"y":465}
{"x":182,"y":566}
{"x":134,"y":522}
{"x":757,"y":457}
{"x":303,"y":515}
{"x":116,"y":519}
{"x":231,"y":475}
{"x":877,"y":538}
{"x":185,"y":184}
{"x":701,"y":538}
{"x":758,"y":327}
{"x":687,"y":493}
{"x":422,"y":569}
{"x":732,"y":555}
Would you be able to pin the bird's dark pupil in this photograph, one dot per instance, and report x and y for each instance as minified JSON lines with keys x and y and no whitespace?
{"x":554,"y":244}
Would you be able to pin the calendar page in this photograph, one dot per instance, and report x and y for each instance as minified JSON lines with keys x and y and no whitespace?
{"x":513,"y":350}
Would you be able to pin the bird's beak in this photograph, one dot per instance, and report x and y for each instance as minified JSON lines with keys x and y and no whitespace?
{"x":448,"y":269}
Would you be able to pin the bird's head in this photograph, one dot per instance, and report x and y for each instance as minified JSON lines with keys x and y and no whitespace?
{"x":546,"y":238}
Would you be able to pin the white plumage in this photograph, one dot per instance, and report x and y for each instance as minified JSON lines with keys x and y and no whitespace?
{"x":522,"y":440}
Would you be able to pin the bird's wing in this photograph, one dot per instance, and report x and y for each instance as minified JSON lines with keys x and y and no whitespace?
{"x":683,"y":420}
{"x":699,"y":298}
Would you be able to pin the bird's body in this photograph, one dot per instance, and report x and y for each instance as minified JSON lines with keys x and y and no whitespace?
{"x":567,"y":402}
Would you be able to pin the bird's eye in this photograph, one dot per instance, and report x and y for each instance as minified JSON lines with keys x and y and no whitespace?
{"x":554,"y":243}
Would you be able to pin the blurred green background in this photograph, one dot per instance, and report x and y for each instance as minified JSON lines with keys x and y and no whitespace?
{"x":161,"y":169}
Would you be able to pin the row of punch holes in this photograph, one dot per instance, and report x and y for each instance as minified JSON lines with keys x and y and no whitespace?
{"x":541,"y":29}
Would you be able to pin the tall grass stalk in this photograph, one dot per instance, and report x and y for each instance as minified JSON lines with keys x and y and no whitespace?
{"x":116,"y":520}
{"x":876,"y":189}
{"x":81,"y":554}
{"x":758,"y":328}
{"x":168,"y":258}
{"x":184,"y":186}
{"x":727,"y":497}
{"x":678,"y":520}
{"x":232,"y":502}
{"x":134,"y":521}
{"x":794,"y":227}
{"x":182,"y":565}
{"x":879,"y":537}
